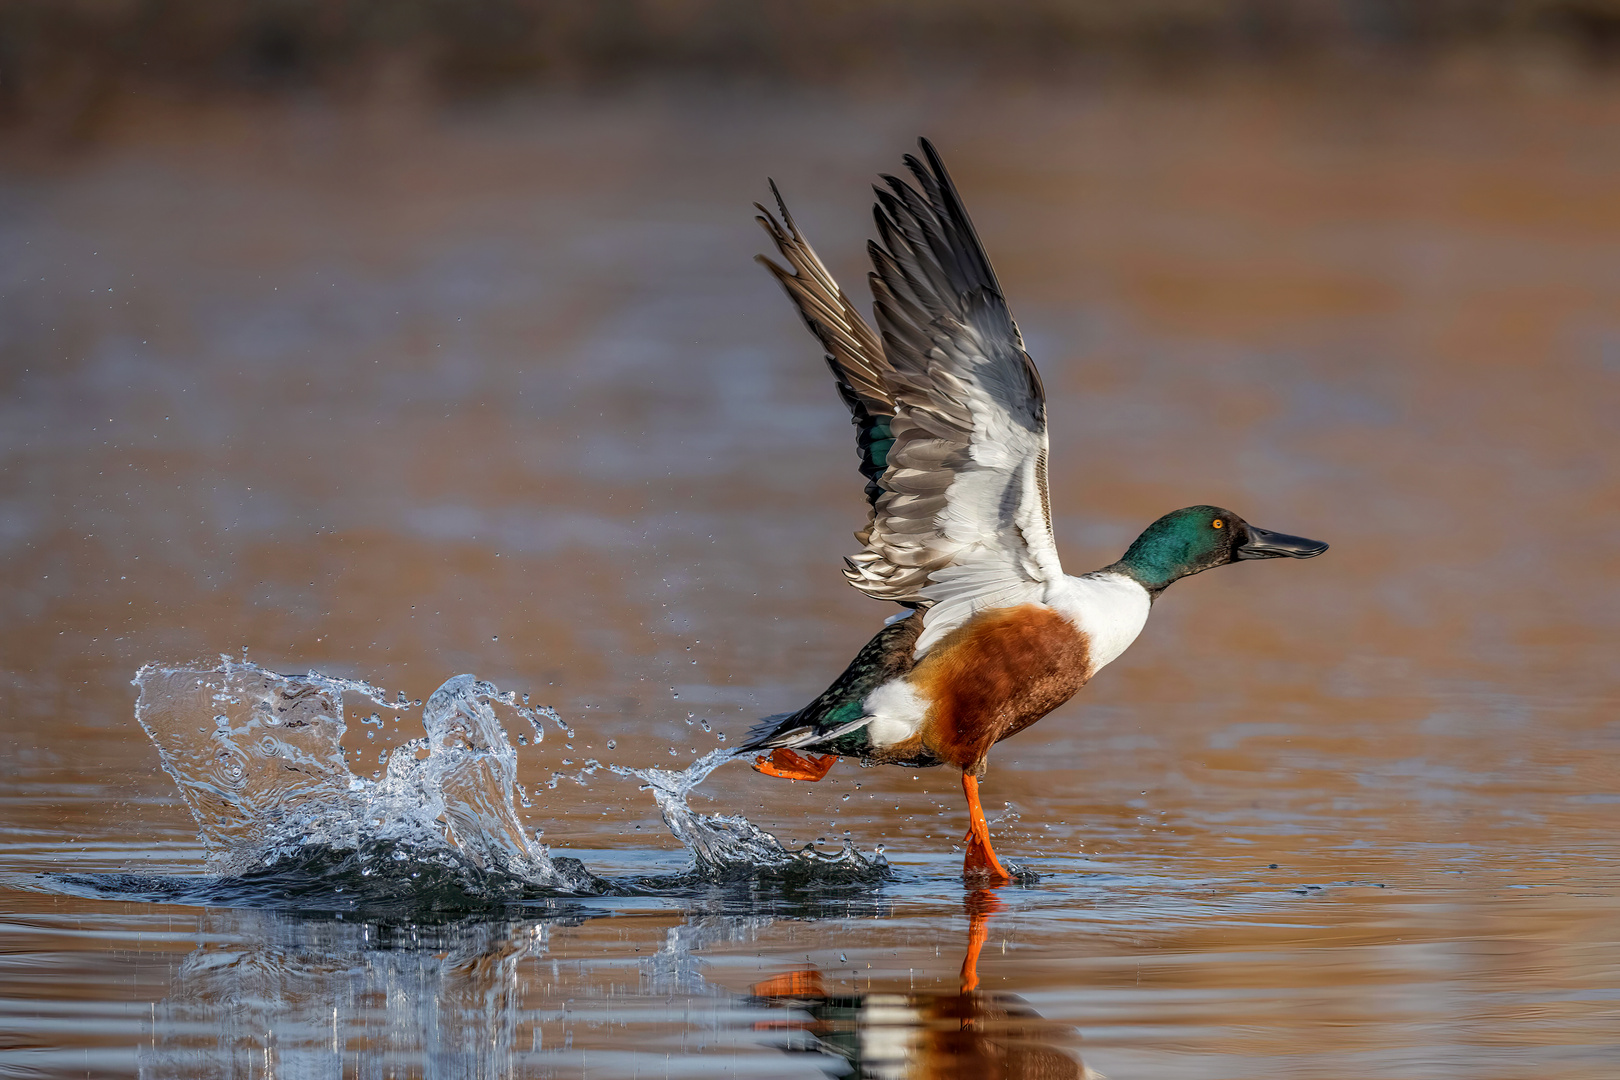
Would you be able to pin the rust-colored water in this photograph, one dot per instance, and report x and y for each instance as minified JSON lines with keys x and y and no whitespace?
{"x":397,"y":393}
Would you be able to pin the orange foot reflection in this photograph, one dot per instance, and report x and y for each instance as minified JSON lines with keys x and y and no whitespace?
{"x":980,"y":905}
{"x":805,"y":983}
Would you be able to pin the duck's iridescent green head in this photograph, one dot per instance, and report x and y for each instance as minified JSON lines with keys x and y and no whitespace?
{"x":1197,"y":538}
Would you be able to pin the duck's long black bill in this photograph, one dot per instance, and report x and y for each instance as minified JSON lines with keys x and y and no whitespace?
{"x":1265,"y":544}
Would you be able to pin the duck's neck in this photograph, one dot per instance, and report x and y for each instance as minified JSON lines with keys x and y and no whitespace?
{"x":1153,"y":574}
{"x":1155,"y":560}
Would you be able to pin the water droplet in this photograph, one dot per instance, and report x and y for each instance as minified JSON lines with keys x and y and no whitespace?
{"x":613,"y":744}
{"x":494,"y":637}
{"x":721,"y":736}
{"x":704,"y":724}
{"x":842,"y":959}
{"x":523,"y":740}
{"x":672,"y":751}
{"x":846,"y":798}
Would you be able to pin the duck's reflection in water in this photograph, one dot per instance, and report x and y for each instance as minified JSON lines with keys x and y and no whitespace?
{"x":931,"y":1034}
{"x":266,"y":994}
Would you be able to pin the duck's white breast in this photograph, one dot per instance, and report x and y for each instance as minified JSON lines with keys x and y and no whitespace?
{"x":1110,"y":609}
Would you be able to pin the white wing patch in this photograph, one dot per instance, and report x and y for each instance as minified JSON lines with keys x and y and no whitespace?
{"x":995,"y":515}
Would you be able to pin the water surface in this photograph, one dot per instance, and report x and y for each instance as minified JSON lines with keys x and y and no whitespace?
{"x":396,"y":394}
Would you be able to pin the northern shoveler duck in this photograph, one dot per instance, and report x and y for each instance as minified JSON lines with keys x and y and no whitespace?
{"x":950,"y":419}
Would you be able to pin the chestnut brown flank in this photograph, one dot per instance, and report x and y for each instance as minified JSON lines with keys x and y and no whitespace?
{"x":996,"y":675}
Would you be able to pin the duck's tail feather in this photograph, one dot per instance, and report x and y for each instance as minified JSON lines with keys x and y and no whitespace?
{"x":759,"y":736}
{"x":797,"y":736}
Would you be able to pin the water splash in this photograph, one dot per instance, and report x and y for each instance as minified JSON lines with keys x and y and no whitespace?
{"x":258,"y":757}
{"x":726,"y":846}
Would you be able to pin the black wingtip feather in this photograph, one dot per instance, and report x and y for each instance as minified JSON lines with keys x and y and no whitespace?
{"x":936,"y":175}
{"x":781,"y":204}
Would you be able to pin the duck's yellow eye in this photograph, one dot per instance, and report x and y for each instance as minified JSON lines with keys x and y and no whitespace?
{"x":1217,"y":524}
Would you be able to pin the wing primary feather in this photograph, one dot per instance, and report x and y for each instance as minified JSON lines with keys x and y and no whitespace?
{"x":854,"y":352}
{"x":948,"y":197}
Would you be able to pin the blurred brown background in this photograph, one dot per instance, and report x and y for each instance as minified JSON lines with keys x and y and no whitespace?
{"x":66,"y":65}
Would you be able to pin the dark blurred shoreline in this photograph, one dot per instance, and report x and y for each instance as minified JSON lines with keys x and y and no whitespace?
{"x":68,"y":68}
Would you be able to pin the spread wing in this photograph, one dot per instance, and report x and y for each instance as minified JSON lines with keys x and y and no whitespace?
{"x":854,"y":352}
{"x":961,"y":518}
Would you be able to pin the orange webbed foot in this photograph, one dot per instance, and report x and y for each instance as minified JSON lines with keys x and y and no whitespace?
{"x":980,"y":862}
{"x":792,"y":766}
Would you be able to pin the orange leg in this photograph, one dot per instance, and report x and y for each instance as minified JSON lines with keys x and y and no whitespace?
{"x":790,"y":766}
{"x":981,"y":904}
{"x":981,"y":858}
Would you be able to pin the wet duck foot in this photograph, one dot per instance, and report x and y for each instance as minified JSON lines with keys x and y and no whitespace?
{"x":792,"y":766}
